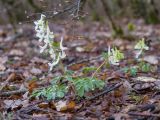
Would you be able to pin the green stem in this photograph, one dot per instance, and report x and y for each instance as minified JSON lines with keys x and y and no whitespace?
{"x":99,"y":67}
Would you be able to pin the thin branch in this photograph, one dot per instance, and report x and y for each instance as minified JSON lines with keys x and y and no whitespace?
{"x":75,"y":7}
{"x":13,"y":92}
{"x":143,"y":114}
{"x":105,"y":91}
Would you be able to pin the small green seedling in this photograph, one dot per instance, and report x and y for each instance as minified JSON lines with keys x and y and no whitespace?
{"x":144,"y":67}
{"x":131,"y":70}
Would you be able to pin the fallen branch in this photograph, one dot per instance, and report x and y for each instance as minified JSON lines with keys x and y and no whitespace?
{"x":106,"y":91}
{"x":143,"y":114}
{"x":21,"y":91}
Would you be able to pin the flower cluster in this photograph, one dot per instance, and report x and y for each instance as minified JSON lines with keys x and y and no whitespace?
{"x":140,"y":46}
{"x":114,"y":56}
{"x":47,"y":37}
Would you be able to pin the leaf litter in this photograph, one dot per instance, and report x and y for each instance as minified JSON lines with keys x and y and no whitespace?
{"x":127,"y":96}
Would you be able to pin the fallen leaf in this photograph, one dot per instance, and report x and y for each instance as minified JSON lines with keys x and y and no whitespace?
{"x":15,"y":52}
{"x":61,"y":105}
{"x":2,"y":67}
{"x":32,"y":85}
{"x":79,"y":49}
{"x":15,"y":103}
{"x":3,"y":60}
{"x":35,"y":71}
{"x":151,"y":59}
{"x":10,"y":77}
{"x":71,"y":105}
{"x":43,"y":105}
{"x":77,"y":66}
{"x":145,"y":79}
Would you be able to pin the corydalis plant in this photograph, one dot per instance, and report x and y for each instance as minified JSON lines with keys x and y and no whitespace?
{"x":140,"y":46}
{"x":114,"y":56}
{"x":47,"y":37}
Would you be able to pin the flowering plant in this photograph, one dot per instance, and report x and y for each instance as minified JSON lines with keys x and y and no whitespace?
{"x":140,"y":46}
{"x":47,"y":37}
{"x":114,"y":56}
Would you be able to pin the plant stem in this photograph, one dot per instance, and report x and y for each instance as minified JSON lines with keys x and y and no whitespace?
{"x":99,"y":67}
{"x":61,"y":66}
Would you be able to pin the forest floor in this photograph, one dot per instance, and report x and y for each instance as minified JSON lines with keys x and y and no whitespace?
{"x":127,"y":95}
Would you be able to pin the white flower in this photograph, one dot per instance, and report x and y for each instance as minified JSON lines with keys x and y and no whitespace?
{"x":51,"y":65}
{"x":114,"y":56}
{"x":47,"y":37}
{"x":63,"y":55}
{"x":140,"y":46}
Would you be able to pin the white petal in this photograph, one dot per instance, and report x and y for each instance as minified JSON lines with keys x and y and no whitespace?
{"x":61,"y":46}
{"x":51,"y":65}
{"x":109,"y":50}
{"x":42,"y":48}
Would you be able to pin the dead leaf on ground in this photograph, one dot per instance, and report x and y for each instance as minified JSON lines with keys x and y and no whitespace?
{"x":16,"y":52}
{"x":151,"y":59}
{"x":145,"y":79}
{"x":35,"y":71}
{"x":15,"y":103}
{"x":71,"y":105}
{"x":2,"y":67}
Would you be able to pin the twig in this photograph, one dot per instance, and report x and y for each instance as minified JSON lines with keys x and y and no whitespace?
{"x":143,"y":114}
{"x":72,"y":8}
{"x":13,"y":92}
{"x":106,"y":91}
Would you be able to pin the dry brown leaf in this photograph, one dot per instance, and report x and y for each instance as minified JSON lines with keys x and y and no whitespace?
{"x":43,"y":105}
{"x":32,"y":85}
{"x":71,"y":105}
{"x":77,"y":66}
{"x":15,"y":52}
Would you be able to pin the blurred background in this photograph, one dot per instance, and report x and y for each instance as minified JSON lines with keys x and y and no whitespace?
{"x":14,"y":11}
{"x":112,"y":12}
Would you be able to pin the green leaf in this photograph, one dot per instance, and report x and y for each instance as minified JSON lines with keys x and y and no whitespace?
{"x":81,"y":91}
{"x":56,"y":80}
{"x":69,"y":73}
{"x":87,"y":84}
{"x":60,"y":94}
{"x":105,"y":55}
{"x":133,"y":71}
{"x":52,"y":92}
